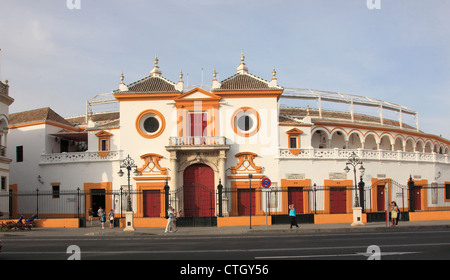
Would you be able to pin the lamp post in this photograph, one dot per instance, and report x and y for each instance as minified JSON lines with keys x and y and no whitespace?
{"x":250,"y":176}
{"x":354,"y":161}
{"x":128,"y":163}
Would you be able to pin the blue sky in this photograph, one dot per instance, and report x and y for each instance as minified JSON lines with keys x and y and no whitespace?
{"x":58,"y":57}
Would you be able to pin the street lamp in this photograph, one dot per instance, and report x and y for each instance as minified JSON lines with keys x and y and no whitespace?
{"x":250,"y":176}
{"x":128,"y":163}
{"x":354,"y":161}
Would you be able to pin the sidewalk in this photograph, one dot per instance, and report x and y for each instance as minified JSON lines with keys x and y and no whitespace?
{"x":199,"y":231}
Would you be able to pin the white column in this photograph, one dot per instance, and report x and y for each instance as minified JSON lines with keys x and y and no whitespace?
{"x":173,"y":170}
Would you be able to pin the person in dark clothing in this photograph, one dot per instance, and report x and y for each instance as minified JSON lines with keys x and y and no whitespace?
{"x":292,"y":216}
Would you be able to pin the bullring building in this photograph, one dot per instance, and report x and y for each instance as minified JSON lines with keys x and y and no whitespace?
{"x":232,"y":134}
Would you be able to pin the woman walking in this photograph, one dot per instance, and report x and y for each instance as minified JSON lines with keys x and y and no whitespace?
{"x":394,"y":213}
{"x":292,"y":216}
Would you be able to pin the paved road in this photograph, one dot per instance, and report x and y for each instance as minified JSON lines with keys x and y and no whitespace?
{"x":388,"y":245}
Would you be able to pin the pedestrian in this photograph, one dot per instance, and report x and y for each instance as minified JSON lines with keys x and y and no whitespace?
{"x":292,"y":216}
{"x":91,"y":215}
{"x":103,"y":219}
{"x":170,"y":219}
{"x":99,"y":213}
{"x":398,"y":213}
{"x":394,"y":213}
{"x":111,"y":218}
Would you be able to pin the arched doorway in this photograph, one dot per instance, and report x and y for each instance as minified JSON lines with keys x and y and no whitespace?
{"x":198,"y":191}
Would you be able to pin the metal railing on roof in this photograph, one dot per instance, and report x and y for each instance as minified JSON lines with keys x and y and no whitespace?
{"x":351,"y":100}
{"x":301,"y":93}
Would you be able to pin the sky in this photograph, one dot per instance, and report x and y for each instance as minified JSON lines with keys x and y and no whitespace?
{"x":60,"y":53}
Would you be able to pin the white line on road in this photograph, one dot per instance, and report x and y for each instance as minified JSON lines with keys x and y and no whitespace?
{"x":83,"y":251}
{"x":334,"y":255}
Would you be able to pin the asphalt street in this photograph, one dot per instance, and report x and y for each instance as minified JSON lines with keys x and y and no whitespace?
{"x":423,"y":244}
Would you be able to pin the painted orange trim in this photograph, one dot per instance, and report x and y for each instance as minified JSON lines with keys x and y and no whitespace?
{"x":245,"y":184}
{"x":107,"y":186}
{"x":348,"y":184}
{"x":295,"y":132}
{"x":210,"y":95}
{"x":243,"y":221}
{"x":140,"y":187}
{"x":186,"y":106}
{"x":423,"y":193}
{"x":286,"y":184}
{"x":246,"y":157}
{"x":429,"y":216}
{"x":337,"y":218}
{"x":156,"y":169}
{"x":445,"y":186}
{"x":103,"y":135}
{"x":45,"y":122}
{"x":55,"y":222}
{"x":380,"y":182}
{"x":144,"y":134}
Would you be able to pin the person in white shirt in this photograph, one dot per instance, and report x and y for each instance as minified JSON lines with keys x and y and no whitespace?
{"x":170,"y":223}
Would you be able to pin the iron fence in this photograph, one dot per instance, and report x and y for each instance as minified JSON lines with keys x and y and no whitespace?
{"x":198,"y":202}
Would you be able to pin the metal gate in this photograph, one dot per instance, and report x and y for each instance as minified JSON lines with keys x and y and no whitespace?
{"x":376,"y":195}
{"x":197,"y":203}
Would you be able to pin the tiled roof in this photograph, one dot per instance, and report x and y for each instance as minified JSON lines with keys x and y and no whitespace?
{"x":289,"y":114}
{"x":151,"y":84}
{"x":244,"y":81}
{"x":96,"y":117}
{"x":42,"y":114}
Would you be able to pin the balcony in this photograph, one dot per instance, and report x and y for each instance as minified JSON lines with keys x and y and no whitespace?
{"x":79,"y":157}
{"x":197,"y":143}
{"x":382,"y":155}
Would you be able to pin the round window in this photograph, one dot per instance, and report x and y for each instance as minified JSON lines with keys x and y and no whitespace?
{"x":150,"y":124}
{"x":245,"y":121}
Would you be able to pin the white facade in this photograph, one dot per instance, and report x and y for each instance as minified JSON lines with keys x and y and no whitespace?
{"x":5,"y":102}
{"x":235,"y":129}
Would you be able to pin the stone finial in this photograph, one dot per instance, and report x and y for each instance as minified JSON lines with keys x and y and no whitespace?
{"x":180,"y":85}
{"x":215,"y":83}
{"x":122,"y":86}
{"x":242,"y":69}
{"x":155,"y":71}
{"x":273,"y":82}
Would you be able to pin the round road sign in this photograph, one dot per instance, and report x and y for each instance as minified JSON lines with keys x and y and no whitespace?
{"x":265,"y":183}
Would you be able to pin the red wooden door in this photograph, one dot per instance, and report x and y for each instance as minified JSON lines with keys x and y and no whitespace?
{"x":244,"y":202}
{"x":381,"y":198}
{"x":199,"y":191}
{"x":295,"y":196}
{"x":152,"y":203}
{"x":417,"y":198}
{"x":338,"y":200}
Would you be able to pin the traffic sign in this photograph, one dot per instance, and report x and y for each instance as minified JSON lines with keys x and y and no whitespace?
{"x":265,"y":183}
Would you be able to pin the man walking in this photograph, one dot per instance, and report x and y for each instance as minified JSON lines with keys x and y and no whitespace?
{"x":170,"y":224}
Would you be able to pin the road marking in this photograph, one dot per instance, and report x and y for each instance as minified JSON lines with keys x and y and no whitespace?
{"x":233,"y":250}
{"x":334,"y":255}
